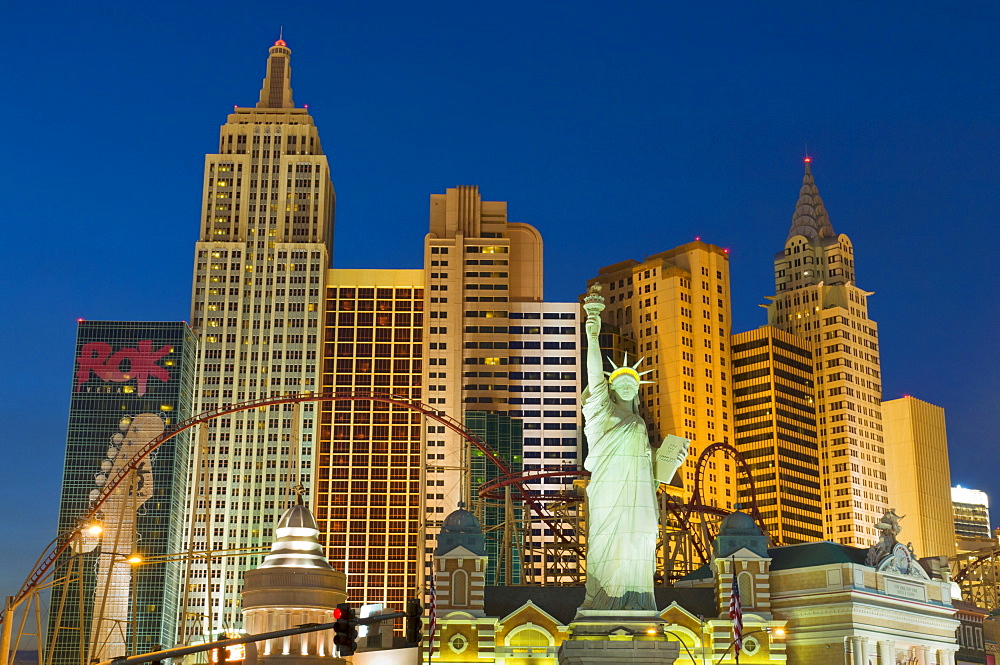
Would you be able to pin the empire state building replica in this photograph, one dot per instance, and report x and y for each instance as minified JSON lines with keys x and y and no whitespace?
{"x":257,"y":305}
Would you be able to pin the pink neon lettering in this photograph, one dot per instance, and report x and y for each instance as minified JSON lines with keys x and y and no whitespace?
{"x":93,"y":359}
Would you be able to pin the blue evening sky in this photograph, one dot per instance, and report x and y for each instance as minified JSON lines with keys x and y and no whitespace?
{"x":618,"y":129}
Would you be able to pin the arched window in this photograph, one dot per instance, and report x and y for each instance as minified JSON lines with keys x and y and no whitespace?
{"x":460,"y":588}
{"x":746,"y":589}
{"x":529,"y":637}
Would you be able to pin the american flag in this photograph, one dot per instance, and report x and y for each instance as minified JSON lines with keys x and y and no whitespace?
{"x":736,"y":614}
{"x":432,"y":616}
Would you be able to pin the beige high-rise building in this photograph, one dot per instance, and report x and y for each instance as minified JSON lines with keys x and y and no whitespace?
{"x":916,"y":451}
{"x":676,"y":307}
{"x":505,"y":364}
{"x":257,"y":304}
{"x":817,"y":298}
{"x":476,"y":263}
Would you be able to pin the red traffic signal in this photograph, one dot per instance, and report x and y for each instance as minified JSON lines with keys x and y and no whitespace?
{"x":345,"y":630}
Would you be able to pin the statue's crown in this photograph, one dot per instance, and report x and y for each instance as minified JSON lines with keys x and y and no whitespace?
{"x":627,"y":370}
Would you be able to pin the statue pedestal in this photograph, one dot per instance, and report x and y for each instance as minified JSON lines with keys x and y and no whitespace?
{"x":598,"y":637}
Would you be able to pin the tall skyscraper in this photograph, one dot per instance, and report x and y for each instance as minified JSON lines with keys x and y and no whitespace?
{"x":676,"y":307}
{"x":916,"y":450}
{"x":370,"y":460}
{"x":774,"y":410}
{"x":257,"y":303}
{"x":491,"y":344}
{"x":817,"y":299}
{"x":476,"y":264}
{"x":132,"y":381}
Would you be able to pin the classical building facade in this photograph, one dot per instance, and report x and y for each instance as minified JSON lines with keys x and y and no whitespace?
{"x":819,"y":603}
{"x":258,"y":295}
{"x":817,"y":298}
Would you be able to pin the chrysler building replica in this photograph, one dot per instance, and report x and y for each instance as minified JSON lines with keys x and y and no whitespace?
{"x":818,"y":299}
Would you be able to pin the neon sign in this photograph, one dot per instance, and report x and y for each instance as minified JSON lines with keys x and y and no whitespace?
{"x":96,"y":359}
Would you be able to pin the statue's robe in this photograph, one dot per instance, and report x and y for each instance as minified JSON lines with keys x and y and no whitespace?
{"x":622,"y":519}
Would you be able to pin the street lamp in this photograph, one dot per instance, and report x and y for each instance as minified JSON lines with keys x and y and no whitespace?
{"x":776,"y":631}
{"x":36,"y":580}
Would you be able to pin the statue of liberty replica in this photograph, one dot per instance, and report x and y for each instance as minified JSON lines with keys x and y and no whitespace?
{"x":623,"y":518}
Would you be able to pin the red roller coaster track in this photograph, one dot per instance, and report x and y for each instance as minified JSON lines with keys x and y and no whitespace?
{"x":683,"y":513}
{"x":63,"y":542}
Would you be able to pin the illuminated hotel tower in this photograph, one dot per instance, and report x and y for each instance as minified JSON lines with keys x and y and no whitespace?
{"x":369,"y":456}
{"x":493,"y":349}
{"x":257,"y":302}
{"x":469,"y":235}
{"x":676,"y":307}
{"x":774,"y":421}
{"x":817,"y":299}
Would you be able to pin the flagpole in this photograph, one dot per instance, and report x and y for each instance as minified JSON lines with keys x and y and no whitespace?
{"x":736,"y":613}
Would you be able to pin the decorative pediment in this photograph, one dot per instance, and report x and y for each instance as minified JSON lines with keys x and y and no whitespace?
{"x":671,"y":611}
{"x":900,"y":561}
{"x":531,"y":607}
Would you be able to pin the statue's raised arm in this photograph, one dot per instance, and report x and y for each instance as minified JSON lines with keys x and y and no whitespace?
{"x":593,"y":305}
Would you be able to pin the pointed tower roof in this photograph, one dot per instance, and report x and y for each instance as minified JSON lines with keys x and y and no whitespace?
{"x":810,"y":219}
{"x":297,"y":544}
{"x":276,"y":92}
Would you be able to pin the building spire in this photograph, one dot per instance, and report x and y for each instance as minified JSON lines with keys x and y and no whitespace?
{"x":276,"y":93}
{"x":810,"y":218}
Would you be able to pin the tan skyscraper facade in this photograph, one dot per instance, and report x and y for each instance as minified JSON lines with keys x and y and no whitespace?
{"x":676,"y":306}
{"x":257,"y":304}
{"x":916,"y":450}
{"x":476,"y":263}
{"x":817,"y":299}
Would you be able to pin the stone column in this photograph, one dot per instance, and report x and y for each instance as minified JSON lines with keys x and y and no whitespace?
{"x":886,"y":652}
{"x":857,"y":645}
{"x":923,"y":654}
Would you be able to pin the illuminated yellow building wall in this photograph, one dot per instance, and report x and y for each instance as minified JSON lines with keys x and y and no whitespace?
{"x":676,"y":307}
{"x":916,"y":446}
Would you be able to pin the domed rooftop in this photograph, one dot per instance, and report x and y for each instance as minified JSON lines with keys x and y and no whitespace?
{"x":298,"y":517}
{"x":297,"y":544}
{"x":739,"y":531}
{"x":461,"y":529}
{"x":461,"y":521}
{"x":738,"y":522}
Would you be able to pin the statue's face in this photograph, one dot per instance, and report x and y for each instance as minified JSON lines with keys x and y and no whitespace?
{"x":625,"y":387}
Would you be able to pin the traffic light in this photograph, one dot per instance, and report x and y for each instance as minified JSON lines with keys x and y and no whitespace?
{"x":414,"y":623}
{"x":345,"y":630}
